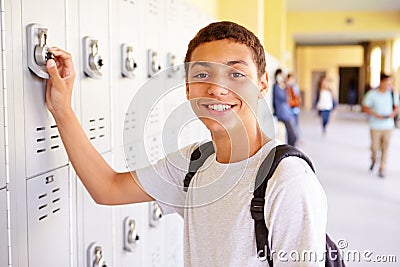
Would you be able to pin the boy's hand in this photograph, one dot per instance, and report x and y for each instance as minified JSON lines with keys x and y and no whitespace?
{"x":61,"y":81}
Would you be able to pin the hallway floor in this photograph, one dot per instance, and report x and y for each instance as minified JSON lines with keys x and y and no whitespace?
{"x":364,"y":209}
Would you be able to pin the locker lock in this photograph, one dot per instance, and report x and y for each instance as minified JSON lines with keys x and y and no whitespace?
{"x":92,"y":60}
{"x":99,"y":260}
{"x":131,"y":236}
{"x":155,"y":214}
{"x":172,"y":66}
{"x":153,"y":64}
{"x":42,"y":53}
{"x":95,"y":257}
{"x":37,"y":49}
{"x":129,"y":64}
{"x":95,"y":60}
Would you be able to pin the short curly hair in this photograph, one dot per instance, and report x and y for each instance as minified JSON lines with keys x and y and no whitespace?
{"x":232,"y":31}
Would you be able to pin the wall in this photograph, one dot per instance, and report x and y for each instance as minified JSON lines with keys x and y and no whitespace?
{"x":312,"y":24}
{"x":329,"y":59}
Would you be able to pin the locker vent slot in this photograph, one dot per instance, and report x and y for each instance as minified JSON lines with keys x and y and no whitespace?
{"x":96,"y":128}
{"x":47,"y":139}
{"x":153,"y":7}
{"x":42,"y":217}
{"x":55,"y":190}
{"x":132,"y":2}
{"x":43,"y":206}
{"x":50,"y":200}
{"x":56,"y":210}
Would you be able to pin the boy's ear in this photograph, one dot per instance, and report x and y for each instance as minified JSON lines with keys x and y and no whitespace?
{"x":263,"y":85}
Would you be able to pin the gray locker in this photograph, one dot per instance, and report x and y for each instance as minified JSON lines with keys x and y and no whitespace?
{"x":3,"y":229}
{"x":95,"y":227}
{"x":154,"y":241}
{"x":95,"y":101}
{"x":2,"y":143}
{"x":48,"y":223}
{"x":129,"y":244}
{"x":128,"y":68}
{"x":44,"y":150}
{"x":153,"y":16}
{"x":173,"y":240}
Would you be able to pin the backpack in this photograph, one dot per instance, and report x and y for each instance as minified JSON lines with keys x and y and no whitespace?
{"x":267,"y":168}
{"x":396,"y":117}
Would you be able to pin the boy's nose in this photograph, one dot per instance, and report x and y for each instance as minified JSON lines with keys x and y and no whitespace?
{"x":217,"y":90}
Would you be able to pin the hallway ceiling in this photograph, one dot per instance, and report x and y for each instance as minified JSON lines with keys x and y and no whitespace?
{"x":342,"y":5}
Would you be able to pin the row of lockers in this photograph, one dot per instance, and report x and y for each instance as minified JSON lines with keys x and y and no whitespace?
{"x":46,"y":216}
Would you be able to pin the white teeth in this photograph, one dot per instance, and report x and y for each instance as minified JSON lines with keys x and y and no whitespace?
{"x":219,"y":107}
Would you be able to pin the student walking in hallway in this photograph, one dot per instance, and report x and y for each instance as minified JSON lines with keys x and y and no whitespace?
{"x":382,"y":106}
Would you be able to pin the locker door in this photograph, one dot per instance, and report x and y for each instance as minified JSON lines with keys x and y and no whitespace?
{"x":95,"y":77}
{"x":48,"y":212}
{"x":126,"y":45}
{"x":174,"y":240}
{"x":44,"y":150}
{"x":153,"y":15}
{"x":154,"y":241}
{"x":3,"y":229}
{"x":95,"y":227}
{"x":128,"y":67}
{"x":2,"y":148}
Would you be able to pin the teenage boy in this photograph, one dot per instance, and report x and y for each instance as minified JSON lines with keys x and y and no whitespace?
{"x":219,"y":231}
{"x":382,"y":106}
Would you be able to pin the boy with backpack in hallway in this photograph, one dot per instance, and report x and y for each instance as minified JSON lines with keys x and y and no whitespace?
{"x":226,"y":76}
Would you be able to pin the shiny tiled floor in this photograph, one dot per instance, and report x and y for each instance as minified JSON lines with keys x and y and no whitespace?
{"x":364,"y":209}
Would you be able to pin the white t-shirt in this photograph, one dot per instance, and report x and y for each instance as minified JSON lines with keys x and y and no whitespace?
{"x":220,"y":230}
{"x":325,"y":101}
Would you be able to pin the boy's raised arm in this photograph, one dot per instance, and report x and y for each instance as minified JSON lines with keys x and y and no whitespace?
{"x":104,"y":184}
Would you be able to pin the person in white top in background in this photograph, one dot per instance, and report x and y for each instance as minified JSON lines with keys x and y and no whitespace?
{"x":325,"y":101}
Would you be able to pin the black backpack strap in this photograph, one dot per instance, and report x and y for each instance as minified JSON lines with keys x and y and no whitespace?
{"x":264,"y":173}
{"x":197,"y":159}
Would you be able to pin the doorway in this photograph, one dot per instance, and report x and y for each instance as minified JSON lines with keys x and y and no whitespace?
{"x":349,"y":85}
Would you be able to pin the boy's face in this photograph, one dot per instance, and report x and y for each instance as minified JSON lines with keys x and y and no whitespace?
{"x":387,"y":83}
{"x":223,"y":86}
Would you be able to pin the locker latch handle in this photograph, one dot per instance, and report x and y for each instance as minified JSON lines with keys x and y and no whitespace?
{"x":153,"y":63}
{"x":129,"y":64}
{"x":99,"y":260}
{"x":92,"y":60}
{"x":173,"y":68}
{"x":42,"y":53}
{"x":95,"y":60}
{"x":131,"y":237}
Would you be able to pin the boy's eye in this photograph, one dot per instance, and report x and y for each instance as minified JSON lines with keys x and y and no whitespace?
{"x":201,"y":75}
{"x":237,"y":75}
